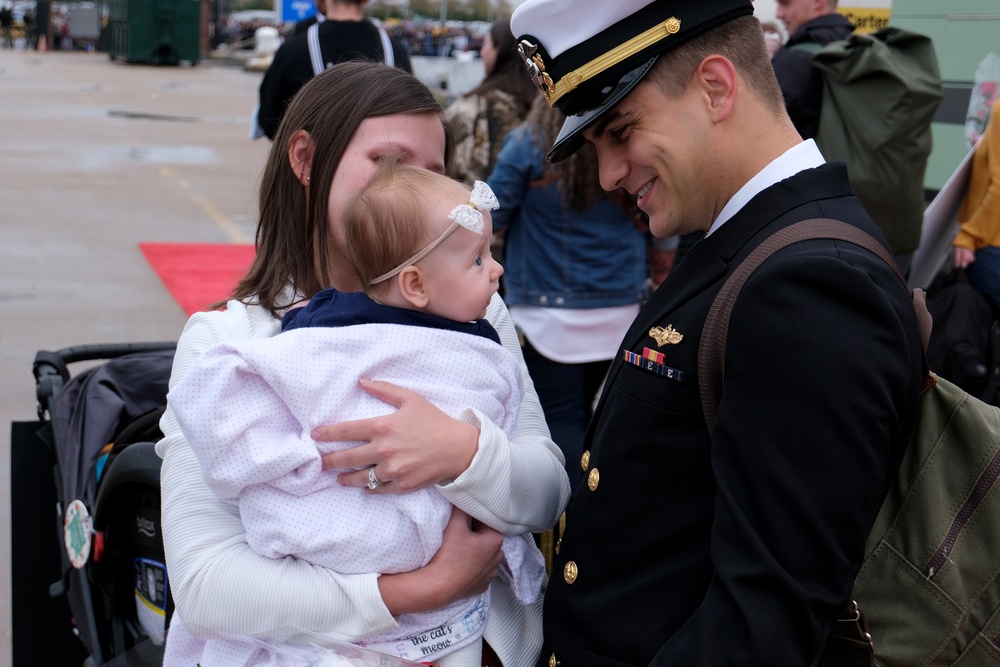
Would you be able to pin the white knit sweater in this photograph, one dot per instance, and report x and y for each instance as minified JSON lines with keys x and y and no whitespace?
{"x":222,"y":588}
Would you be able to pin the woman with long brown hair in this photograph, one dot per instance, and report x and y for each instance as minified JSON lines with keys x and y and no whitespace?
{"x":336,"y":131}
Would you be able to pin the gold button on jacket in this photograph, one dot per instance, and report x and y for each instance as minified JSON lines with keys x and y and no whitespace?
{"x":585,"y":460}
{"x":593,"y":479}
{"x":553,"y":662}
{"x":570,"y":572}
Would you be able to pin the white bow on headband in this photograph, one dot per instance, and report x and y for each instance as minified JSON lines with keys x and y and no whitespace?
{"x":467,"y":215}
{"x":470,"y":215}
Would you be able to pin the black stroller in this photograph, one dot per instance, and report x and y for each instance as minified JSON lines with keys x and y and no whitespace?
{"x":90,"y":587}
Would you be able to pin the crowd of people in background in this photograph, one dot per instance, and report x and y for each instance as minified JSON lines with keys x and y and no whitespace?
{"x":20,"y":29}
{"x":421,"y":37}
{"x":7,"y":26}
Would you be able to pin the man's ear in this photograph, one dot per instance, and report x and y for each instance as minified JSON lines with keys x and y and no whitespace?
{"x":412,"y":287}
{"x":300,"y":152}
{"x":717,"y":76}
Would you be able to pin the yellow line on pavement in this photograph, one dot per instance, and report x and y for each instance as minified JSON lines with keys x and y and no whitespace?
{"x":228,"y":226}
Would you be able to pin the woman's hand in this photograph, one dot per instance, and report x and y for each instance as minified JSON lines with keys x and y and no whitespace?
{"x":416,"y":446}
{"x":963,"y":257}
{"x":468,"y":560}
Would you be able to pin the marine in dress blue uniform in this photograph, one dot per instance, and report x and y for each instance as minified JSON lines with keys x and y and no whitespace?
{"x":739,"y":546}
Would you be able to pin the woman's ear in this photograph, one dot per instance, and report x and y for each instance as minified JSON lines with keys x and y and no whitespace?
{"x":300,"y":152}
{"x":412,"y":287}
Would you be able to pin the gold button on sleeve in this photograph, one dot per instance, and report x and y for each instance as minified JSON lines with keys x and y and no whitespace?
{"x":570,"y":572}
{"x":593,"y":479}
{"x":585,"y":460}
{"x":553,"y":661}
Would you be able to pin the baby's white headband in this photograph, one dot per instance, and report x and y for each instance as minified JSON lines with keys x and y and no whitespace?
{"x":467,"y":215}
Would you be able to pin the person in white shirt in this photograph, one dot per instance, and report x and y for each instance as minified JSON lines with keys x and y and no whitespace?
{"x":421,"y":244}
{"x":338,"y":130}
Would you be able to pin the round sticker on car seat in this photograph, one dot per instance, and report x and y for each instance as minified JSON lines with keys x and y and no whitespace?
{"x":77,"y":533}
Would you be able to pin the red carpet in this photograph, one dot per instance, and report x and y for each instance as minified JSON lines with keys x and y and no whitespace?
{"x":198,"y":274}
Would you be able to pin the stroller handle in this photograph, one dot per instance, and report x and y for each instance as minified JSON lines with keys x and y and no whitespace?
{"x":51,"y":372}
{"x":76,"y":353}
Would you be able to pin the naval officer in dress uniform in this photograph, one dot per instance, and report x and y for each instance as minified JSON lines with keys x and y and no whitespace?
{"x":739,"y":545}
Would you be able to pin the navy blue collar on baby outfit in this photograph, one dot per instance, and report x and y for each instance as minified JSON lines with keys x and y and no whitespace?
{"x":331,"y":308}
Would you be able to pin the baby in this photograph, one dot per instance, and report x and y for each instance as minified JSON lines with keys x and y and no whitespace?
{"x":420,"y":242}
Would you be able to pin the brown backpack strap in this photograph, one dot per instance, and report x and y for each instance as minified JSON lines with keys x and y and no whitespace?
{"x":712,"y":348}
{"x":849,"y":644}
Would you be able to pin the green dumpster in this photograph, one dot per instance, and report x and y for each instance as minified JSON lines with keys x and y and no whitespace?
{"x":161,"y":32}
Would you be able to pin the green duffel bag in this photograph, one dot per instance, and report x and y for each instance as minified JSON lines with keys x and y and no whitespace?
{"x":880,"y":93}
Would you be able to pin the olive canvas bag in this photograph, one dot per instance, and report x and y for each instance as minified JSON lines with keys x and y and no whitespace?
{"x":880,"y":93}
{"x":929,"y":583}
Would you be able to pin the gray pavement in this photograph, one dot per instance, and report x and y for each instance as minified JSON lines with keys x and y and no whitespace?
{"x":95,"y":158}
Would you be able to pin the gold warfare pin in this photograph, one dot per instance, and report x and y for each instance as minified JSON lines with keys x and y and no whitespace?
{"x":668,"y":336}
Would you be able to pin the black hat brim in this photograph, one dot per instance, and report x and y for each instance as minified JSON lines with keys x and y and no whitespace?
{"x":570,"y":138}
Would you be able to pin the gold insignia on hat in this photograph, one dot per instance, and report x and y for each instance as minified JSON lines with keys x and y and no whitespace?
{"x":668,"y":336}
{"x":536,"y":68}
{"x":572,"y":80}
